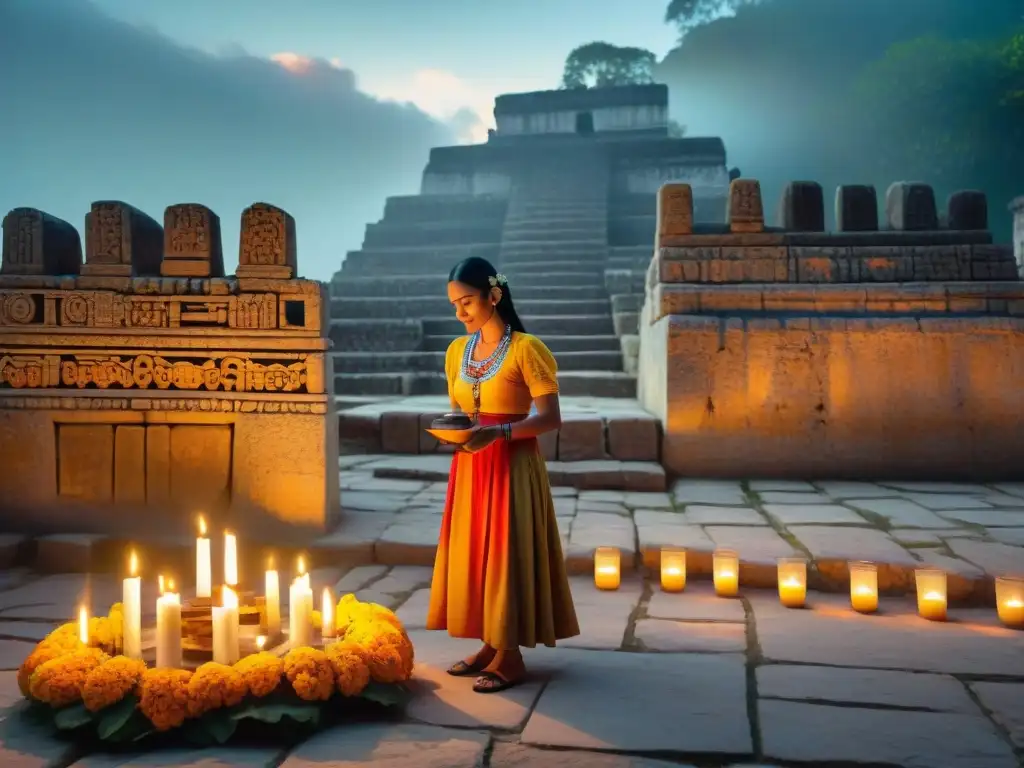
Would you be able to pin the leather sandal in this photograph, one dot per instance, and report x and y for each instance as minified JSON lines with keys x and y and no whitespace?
{"x":489,"y":682}
{"x":462,"y":669}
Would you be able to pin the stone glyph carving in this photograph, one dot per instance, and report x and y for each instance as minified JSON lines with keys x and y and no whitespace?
{"x":266,"y":243}
{"x":36,"y":243}
{"x":192,"y":243}
{"x":675,"y":210}
{"x":746,"y":212}
{"x":121,"y":240}
{"x":232,"y":373}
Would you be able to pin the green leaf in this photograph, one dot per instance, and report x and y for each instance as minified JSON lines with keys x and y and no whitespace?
{"x":115,"y":717}
{"x":274,"y":713}
{"x":73,"y":717}
{"x":220,"y":725}
{"x":392,"y":695}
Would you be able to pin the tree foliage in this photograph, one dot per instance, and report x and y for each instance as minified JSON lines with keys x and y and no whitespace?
{"x":599,"y":65}
{"x":687,"y":14}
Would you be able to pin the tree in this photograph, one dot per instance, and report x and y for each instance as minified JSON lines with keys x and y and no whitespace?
{"x":687,"y":14}
{"x":599,"y":65}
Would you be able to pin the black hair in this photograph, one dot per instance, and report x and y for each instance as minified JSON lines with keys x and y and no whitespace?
{"x":477,"y":273}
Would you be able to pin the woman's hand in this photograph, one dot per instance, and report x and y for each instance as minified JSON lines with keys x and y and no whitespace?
{"x":481,"y":438}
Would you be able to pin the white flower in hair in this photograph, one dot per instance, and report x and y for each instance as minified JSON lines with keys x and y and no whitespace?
{"x":498,"y":279}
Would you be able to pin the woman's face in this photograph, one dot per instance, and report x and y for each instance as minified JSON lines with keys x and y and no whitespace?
{"x":472,"y":308}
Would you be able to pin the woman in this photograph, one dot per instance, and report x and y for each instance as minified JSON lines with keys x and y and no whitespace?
{"x":499,"y":575}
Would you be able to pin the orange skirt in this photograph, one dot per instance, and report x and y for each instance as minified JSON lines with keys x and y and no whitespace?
{"x":499,"y":575}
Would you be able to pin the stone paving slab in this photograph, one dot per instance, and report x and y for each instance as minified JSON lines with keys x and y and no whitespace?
{"x":210,"y":757}
{"x":512,"y":755}
{"x":1006,"y":703}
{"x":397,"y":745}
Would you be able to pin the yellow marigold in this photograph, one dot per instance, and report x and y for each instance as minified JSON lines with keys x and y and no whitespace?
{"x":42,"y":653}
{"x":310,"y":673}
{"x":111,"y":681}
{"x":317,"y":619}
{"x":351,"y":675}
{"x":66,"y":635}
{"x":163,"y":697}
{"x":59,"y":682}
{"x":261,"y":673}
{"x":214,"y":686}
{"x":116,"y":608}
{"x":105,"y":633}
{"x":386,"y":664}
{"x":379,"y":614}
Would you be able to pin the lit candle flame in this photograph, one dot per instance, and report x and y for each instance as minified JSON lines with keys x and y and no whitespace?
{"x":160,"y":584}
{"x":170,"y":585}
{"x":934,"y":596}
{"x":302,"y":565}
{"x":673,"y":570}
{"x":1014,"y":603}
{"x":260,"y":642}
{"x":228,"y":598}
{"x":791,"y":582}
{"x":133,"y":564}
{"x":83,"y":625}
{"x":863,"y":590}
{"x":202,"y":526}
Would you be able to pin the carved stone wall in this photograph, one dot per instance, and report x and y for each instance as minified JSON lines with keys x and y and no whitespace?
{"x":787,"y":351}
{"x":144,"y":377}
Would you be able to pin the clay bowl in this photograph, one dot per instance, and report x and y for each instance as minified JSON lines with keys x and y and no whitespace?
{"x":451,"y":436}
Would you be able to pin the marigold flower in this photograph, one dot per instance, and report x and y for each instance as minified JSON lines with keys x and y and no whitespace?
{"x":261,"y":673}
{"x":59,"y":682}
{"x":163,"y":697}
{"x":386,"y":664}
{"x":351,"y":674}
{"x":310,"y":673}
{"x":214,"y":686}
{"x":105,"y":632}
{"x":111,"y":681}
{"x":42,"y":653}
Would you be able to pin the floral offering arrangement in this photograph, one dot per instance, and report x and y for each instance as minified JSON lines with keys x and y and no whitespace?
{"x":87,"y":688}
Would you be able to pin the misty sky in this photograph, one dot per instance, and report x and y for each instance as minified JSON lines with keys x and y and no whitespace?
{"x":230,"y":102}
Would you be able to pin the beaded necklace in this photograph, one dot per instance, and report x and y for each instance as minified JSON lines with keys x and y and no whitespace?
{"x":476,"y":372}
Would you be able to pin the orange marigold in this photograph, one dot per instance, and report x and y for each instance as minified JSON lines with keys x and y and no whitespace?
{"x":351,"y":674}
{"x":214,"y":686}
{"x":261,"y":673}
{"x":163,"y":697}
{"x":310,"y":673}
{"x":42,"y":653}
{"x":59,"y":682}
{"x":386,"y":664}
{"x":111,"y":681}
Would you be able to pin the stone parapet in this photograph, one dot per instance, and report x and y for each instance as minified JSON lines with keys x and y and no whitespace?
{"x":894,"y":353}
{"x":152,"y":381}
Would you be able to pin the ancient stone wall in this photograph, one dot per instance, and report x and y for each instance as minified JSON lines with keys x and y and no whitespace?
{"x":146,"y":379}
{"x":869,"y":352}
{"x":1017,"y":207}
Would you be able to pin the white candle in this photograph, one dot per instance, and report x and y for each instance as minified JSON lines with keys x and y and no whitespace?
{"x":204,"y":572}
{"x":230,"y":560}
{"x":168,"y":630}
{"x":327,"y":613}
{"x":131,"y":599}
{"x":83,"y":625}
{"x":225,"y":628}
{"x":300,"y":609}
{"x":272,"y":603}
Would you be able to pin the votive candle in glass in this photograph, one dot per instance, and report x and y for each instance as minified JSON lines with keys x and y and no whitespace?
{"x":1010,"y":600}
{"x":673,"y":569}
{"x":863,"y":587}
{"x":931,"y":593}
{"x":726,"y":572}
{"x":792,"y":577}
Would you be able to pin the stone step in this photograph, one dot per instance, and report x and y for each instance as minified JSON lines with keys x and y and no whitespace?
{"x":593,"y":220}
{"x":554,"y":278}
{"x":561,"y":233}
{"x":429,"y":259}
{"x":417,"y":307}
{"x":607,"y":474}
{"x":375,"y":336}
{"x":552,"y":250}
{"x":401,"y":286}
{"x":557,"y":344}
{"x":433,"y":362}
{"x":523,"y":266}
{"x":593,"y":428}
{"x":539,"y":325}
{"x":581,"y":240}
{"x":611,"y":384}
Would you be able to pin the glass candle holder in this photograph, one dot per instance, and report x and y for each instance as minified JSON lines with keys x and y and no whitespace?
{"x":863,"y":587}
{"x":606,"y":568}
{"x":673,"y":569}
{"x":726,"y":572}
{"x":792,"y":577}
{"x":931,"y":593}
{"x":1010,"y":600}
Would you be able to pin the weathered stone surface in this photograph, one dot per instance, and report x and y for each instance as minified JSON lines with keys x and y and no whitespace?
{"x":910,"y":206}
{"x":937,"y":502}
{"x":856,"y":209}
{"x":583,"y":706}
{"x":791,"y":486}
{"x":402,"y":579}
{"x":397,"y":745}
{"x":410,"y":540}
{"x":994,"y":558}
{"x":840,"y":490}
{"x":697,"y":602}
{"x":36,"y":243}
{"x":603,"y":616}
{"x":832,"y":633}
{"x":1006,"y":703}
{"x":697,"y":543}
{"x":725,"y":492}
{"x":784,"y":497}
{"x":902,"y":513}
{"x":819,"y":734}
{"x":869,"y":687}
{"x":809,"y":514}
{"x":632,"y":438}
{"x":967,"y":210}
{"x":581,"y":439}
{"x":358,"y":578}
{"x":698,"y":514}
{"x":690,"y":637}
{"x":413,"y":612}
{"x":13,"y":652}
{"x":745,"y":210}
{"x":802,"y":207}
{"x":511,"y":755}
{"x":27,"y":744}
{"x":675,"y":210}
{"x":221,"y":757}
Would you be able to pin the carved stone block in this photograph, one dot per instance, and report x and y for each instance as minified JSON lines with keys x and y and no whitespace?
{"x":745,"y":211}
{"x":36,"y":243}
{"x":856,"y":208}
{"x":675,"y":211}
{"x":267,"y":243}
{"x":802,"y":207}
{"x":121,"y":241}
{"x":192,"y":244}
{"x":967,"y":211}
{"x":910,"y":207}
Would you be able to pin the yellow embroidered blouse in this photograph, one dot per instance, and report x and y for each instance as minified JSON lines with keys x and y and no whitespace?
{"x":528,"y":371}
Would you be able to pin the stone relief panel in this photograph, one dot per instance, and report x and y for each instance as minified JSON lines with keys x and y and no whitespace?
{"x":267,"y":243}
